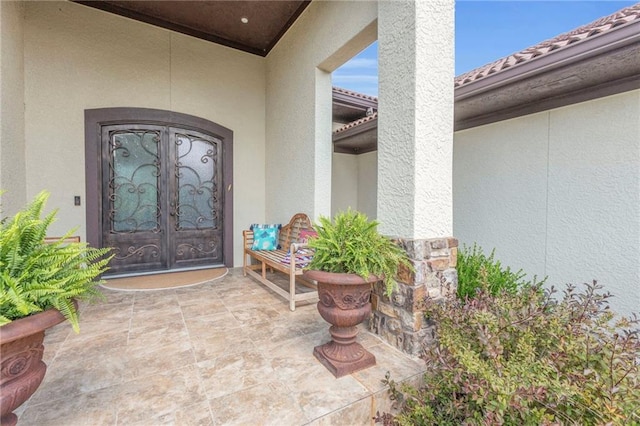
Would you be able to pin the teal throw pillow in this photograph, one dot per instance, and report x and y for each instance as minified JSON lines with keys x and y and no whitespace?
{"x":265,"y":237}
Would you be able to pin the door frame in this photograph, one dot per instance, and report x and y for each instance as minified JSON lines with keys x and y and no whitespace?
{"x":94,"y":119}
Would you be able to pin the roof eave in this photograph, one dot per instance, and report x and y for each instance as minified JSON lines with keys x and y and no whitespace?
{"x":571,"y":54}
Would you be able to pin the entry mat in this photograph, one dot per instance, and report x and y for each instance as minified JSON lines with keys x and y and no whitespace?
{"x":165,"y":281}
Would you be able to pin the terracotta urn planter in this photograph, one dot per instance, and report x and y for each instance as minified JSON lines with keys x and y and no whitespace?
{"x":344,"y":303}
{"x":21,"y":365}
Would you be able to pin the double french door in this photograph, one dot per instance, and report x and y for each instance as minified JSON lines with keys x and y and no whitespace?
{"x":162,"y":197}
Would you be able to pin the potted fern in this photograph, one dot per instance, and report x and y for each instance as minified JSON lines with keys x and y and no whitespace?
{"x":350,"y":255}
{"x":40,"y":284}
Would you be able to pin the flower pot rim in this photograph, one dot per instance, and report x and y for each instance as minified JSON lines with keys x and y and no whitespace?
{"x":29,"y":325}
{"x":339,"y":277}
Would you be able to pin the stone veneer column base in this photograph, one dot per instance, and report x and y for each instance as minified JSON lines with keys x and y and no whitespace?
{"x":399,"y":319}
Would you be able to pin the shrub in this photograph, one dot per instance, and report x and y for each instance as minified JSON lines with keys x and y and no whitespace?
{"x":475,"y":269}
{"x":524,"y":358}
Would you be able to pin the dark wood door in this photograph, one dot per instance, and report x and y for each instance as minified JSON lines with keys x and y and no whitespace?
{"x":161,"y":198}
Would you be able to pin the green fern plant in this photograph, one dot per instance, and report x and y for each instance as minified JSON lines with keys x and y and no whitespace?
{"x":352,"y":244}
{"x":35,"y":276}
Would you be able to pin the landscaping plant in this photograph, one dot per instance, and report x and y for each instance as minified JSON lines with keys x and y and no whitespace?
{"x":352,"y":244}
{"x":35,"y":276}
{"x":526,"y":358}
{"x":475,"y":268}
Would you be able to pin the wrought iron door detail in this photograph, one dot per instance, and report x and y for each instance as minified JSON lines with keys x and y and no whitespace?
{"x":132,"y":214}
{"x":197,"y":180}
{"x":134,"y":169}
{"x":162,"y":197}
{"x":196,"y":208}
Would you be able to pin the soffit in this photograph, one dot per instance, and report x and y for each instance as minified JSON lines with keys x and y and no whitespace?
{"x":215,"y":21}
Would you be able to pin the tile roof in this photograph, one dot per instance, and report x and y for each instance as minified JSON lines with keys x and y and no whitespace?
{"x":356,"y":123}
{"x":355,"y":94}
{"x":600,"y":26}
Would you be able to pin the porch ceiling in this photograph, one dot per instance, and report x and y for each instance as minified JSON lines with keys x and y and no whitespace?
{"x":216,"y":21}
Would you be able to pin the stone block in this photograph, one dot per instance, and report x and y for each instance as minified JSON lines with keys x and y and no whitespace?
{"x":453,"y":260}
{"x":439,"y":264}
{"x":432,"y":281}
{"x":387,"y":309}
{"x":440,"y":253}
{"x":438,"y":244}
{"x":399,"y":318}
{"x":415,"y":248}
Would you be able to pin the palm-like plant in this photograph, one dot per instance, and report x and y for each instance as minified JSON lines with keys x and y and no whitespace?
{"x":35,"y":276}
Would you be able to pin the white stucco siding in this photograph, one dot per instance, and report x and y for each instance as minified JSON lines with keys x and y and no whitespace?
{"x":594,"y":196}
{"x":344,"y":182}
{"x":354,"y":183}
{"x":415,"y":124}
{"x":500,"y":189}
{"x":368,"y":184}
{"x":78,"y":58}
{"x":557,"y":194}
{"x":298,"y":148}
{"x":12,"y":149}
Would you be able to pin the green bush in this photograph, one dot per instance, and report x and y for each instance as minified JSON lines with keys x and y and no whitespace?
{"x":475,"y":270}
{"x":525,"y":358}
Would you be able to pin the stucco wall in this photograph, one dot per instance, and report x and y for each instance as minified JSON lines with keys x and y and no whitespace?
{"x":354,"y":181}
{"x":298,"y":132}
{"x":12,"y":151}
{"x":557,"y":194}
{"x":344,"y":182}
{"x":368,"y":184}
{"x":78,"y":58}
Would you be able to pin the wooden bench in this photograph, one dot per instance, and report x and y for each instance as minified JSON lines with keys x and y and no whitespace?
{"x":274,"y":259}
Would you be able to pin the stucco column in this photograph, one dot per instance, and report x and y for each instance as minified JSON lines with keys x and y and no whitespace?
{"x":415,"y":154}
{"x":415,"y":124}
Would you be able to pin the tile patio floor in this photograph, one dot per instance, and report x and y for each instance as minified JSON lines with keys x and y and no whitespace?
{"x":227,"y":352}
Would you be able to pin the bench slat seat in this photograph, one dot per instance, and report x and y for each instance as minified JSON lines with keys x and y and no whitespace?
{"x":274,"y":260}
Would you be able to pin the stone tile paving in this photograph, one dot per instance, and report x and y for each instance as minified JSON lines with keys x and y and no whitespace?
{"x":228,"y":352}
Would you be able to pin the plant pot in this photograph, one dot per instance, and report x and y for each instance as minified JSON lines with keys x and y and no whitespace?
{"x":21,"y":365}
{"x":344,"y":303}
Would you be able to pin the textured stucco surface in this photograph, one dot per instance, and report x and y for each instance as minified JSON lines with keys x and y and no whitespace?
{"x":12,"y":148}
{"x":558,"y":194}
{"x":368,"y":184}
{"x":500,"y":189}
{"x":344,"y":182}
{"x":78,"y":58}
{"x":354,"y":183}
{"x":415,"y":125}
{"x":298,"y":130}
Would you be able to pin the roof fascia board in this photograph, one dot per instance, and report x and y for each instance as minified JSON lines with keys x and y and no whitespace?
{"x":585,"y":49}
{"x":586,"y":94}
{"x":353,"y":101}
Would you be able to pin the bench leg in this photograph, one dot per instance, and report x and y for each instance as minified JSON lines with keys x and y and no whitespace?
{"x":244,"y":264}
{"x":292,"y":291}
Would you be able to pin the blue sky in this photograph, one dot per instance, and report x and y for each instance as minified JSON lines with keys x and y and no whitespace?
{"x":487,"y":31}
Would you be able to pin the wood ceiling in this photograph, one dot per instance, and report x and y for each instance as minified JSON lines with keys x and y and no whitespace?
{"x":216,"y":21}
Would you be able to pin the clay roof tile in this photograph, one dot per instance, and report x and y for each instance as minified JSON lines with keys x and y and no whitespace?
{"x":595,"y":28}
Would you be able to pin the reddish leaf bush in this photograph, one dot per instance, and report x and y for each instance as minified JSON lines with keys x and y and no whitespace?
{"x":526,"y":358}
